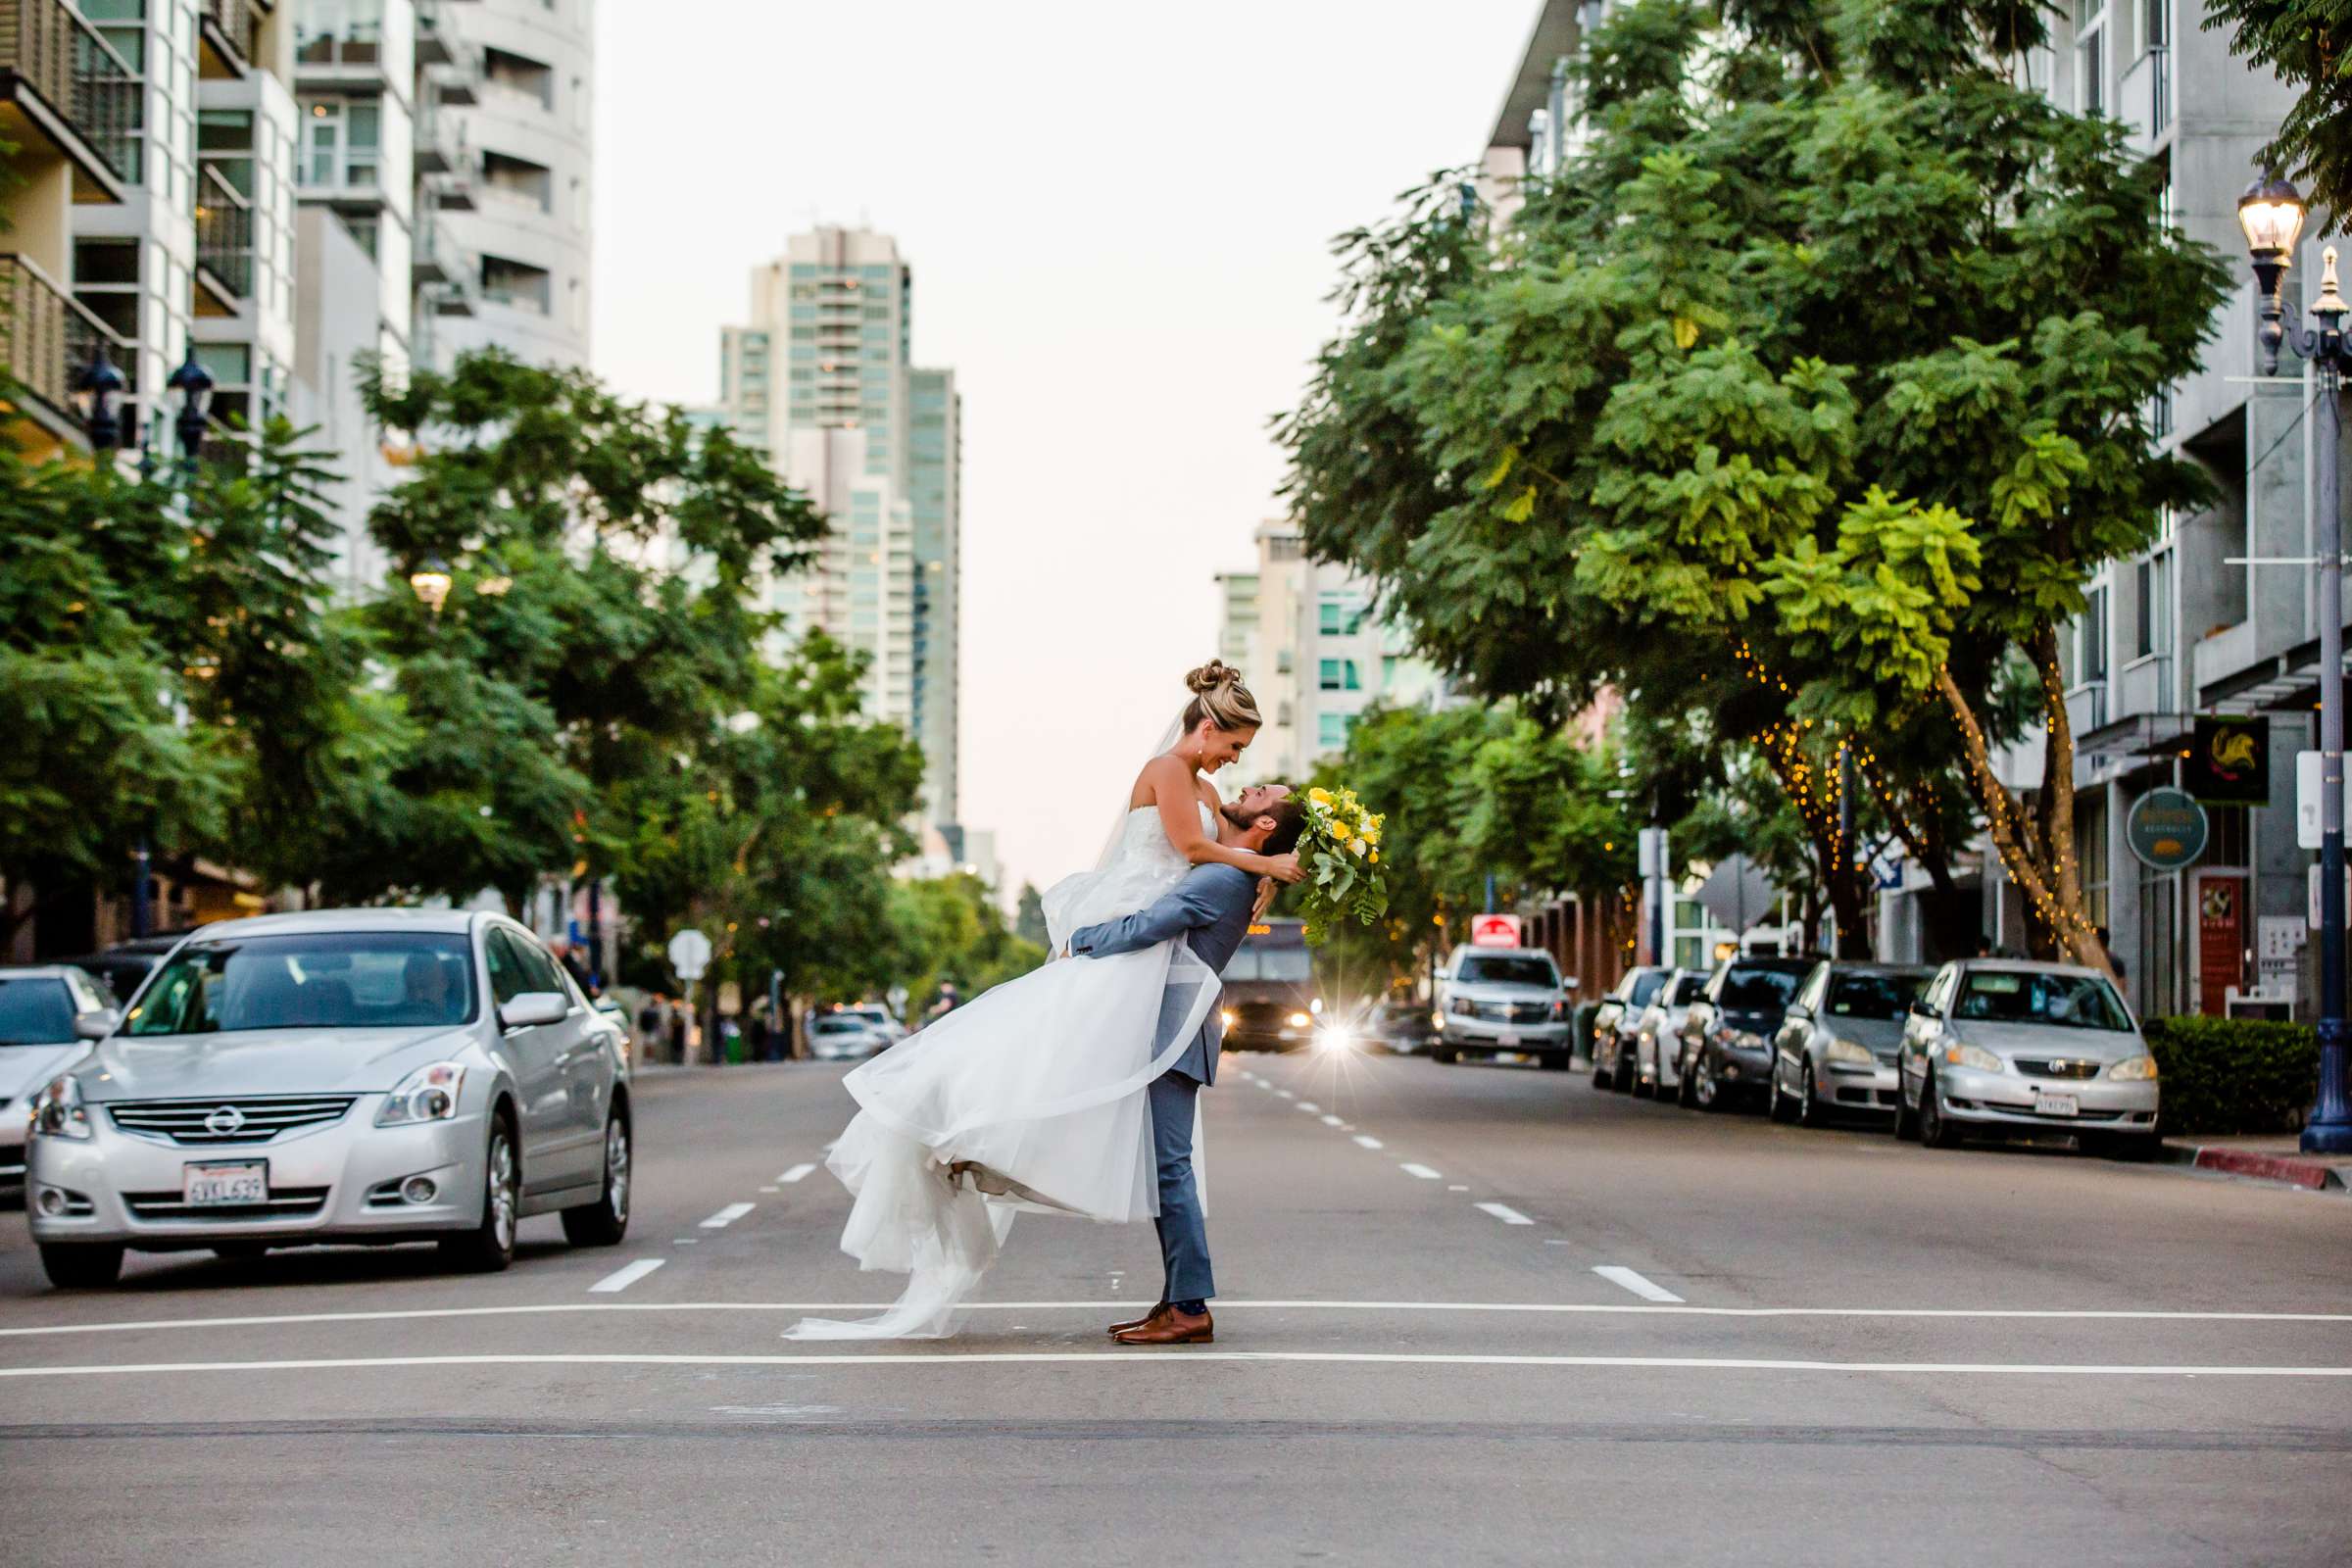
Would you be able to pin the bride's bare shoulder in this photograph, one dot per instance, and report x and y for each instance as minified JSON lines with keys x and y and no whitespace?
{"x":1162,"y":773}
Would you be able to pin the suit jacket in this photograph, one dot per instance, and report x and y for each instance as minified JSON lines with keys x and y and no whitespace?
{"x":1211,"y":909}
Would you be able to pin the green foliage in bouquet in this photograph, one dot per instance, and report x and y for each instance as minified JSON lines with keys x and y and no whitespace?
{"x":1340,"y":850}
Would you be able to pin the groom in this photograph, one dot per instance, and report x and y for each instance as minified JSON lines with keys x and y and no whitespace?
{"x":1211,"y":909}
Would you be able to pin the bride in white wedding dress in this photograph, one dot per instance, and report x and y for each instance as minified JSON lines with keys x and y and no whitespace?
{"x":1033,"y":1095}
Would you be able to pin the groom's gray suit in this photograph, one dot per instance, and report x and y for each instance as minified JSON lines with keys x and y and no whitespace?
{"x":1211,"y":909}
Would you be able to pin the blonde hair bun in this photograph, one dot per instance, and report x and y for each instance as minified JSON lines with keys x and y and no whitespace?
{"x":1220,"y":698}
{"x":1211,"y":676}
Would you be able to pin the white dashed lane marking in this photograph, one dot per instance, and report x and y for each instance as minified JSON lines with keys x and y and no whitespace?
{"x":1422,"y":1172}
{"x":1617,"y":1274}
{"x":1286,"y":1094}
{"x":1505,"y":1213}
{"x":1369,"y":1140}
{"x":726,"y":1216}
{"x":795,"y":1173}
{"x":1330,"y":1122}
{"x":1309,"y":1105}
{"x":620,"y":1278}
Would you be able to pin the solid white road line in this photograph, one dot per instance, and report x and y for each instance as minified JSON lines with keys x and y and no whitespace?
{"x":1573,"y":1309}
{"x":1422,"y":1172}
{"x":795,"y":1173}
{"x":1618,"y":1274}
{"x":726,"y":1216}
{"x":1332,"y":1121}
{"x":1505,"y":1213}
{"x":1367,"y":1141}
{"x":1345,"y":1357}
{"x":620,"y":1278}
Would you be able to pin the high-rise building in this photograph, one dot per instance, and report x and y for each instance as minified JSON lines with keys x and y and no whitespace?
{"x":820,"y":378}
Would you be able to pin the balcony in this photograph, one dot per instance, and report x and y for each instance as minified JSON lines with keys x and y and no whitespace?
{"x":440,"y":264}
{"x":48,"y":336}
{"x":353,"y":59}
{"x":436,"y":45}
{"x":227,"y":29}
{"x":2144,"y":100}
{"x":224,"y":245}
{"x":63,"y":87}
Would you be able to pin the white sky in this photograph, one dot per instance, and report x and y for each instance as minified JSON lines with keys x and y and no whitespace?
{"x":1117,"y":215}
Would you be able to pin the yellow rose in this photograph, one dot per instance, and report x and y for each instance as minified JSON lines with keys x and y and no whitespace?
{"x":1370,"y":832}
{"x":1319,"y":796}
{"x":1339,"y":830}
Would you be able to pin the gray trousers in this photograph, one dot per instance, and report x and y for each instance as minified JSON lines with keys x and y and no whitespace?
{"x":1183,"y":1236}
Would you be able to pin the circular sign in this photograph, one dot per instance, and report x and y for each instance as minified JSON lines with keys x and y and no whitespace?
{"x":690,"y":953}
{"x":2166,"y":829}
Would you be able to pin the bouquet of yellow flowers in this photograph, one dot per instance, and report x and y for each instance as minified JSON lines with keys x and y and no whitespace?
{"x":1340,"y":851}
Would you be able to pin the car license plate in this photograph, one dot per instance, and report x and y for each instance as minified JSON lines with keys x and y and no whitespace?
{"x":229,"y":1184}
{"x":1506,"y":1039}
{"x":2057,"y":1105}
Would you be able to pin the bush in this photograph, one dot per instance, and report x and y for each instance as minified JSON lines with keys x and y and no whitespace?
{"x":2233,"y":1075}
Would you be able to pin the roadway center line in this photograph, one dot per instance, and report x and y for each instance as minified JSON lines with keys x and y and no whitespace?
{"x":1618,"y":1274}
{"x":1422,"y":1172}
{"x":1350,"y":1357}
{"x":1573,"y":1309}
{"x":620,"y":1278}
{"x":1367,"y":1141}
{"x":1504,"y":1212}
{"x":795,"y":1173}
{"x":726,"y":1216}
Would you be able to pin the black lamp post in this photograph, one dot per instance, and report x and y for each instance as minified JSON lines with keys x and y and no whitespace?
{"x":432,"y":584}
{"x":194,"y":383}
{"x":97,"y":399}
{"x":2272,"y":213}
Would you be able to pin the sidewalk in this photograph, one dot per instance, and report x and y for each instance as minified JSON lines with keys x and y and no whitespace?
{"x":2264,"y":1156}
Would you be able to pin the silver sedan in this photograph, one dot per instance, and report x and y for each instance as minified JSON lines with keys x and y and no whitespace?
{"x":1835,"y":1052}
{"x":347,"y":1075}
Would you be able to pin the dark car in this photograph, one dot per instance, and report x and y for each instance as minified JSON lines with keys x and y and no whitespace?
{"x":1727,"y":1047}
{"x":125,"y":965}
{"x":1613,"y":1033}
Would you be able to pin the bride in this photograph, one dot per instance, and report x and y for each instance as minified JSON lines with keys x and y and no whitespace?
{"x":1032,"y":1097}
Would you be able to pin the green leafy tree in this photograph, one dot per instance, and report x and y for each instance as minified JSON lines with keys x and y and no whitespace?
{"x":2309,"y":44}
{"x":1030,"y":922}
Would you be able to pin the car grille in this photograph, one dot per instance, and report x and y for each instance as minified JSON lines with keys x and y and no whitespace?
{"x":210,"y":1122}
{"x":284,"y":1202}
{"x":1514,"y":1011}
{"x":2062,"y":1067}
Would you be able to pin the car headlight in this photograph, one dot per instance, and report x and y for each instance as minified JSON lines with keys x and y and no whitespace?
{"x":1846,"y":1050}
{"x":2133,"y":1070}
{"x":1316,"y":1006}
{"x":1227,"y":1017}
{"x":58,"y":1110}
{"x":1976,"y":1057}
{"x":1300,"y":1020}
{"x":430,"y":1094}
{"x":1334,"y":1038}
{"x":1437,"y":1021}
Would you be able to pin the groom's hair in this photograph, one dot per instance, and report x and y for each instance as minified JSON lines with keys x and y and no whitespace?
{"x":1289,"y":820}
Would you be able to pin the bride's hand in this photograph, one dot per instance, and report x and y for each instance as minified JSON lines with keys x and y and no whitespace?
{"x":1286,"y":869}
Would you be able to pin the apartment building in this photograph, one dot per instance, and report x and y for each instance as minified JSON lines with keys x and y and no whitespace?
{"x":821,"y":379}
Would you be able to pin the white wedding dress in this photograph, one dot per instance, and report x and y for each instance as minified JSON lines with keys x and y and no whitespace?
{"x":1030,"y":1097}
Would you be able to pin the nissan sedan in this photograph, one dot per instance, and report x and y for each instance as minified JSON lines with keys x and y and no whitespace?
{"x":349,"y":1075}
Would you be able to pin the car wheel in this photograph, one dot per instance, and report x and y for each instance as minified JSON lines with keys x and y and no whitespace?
{"x":1906,"y":1121}
{"x":1554,"y":1061}
{"x":1622,"y":1079}
{"x":1776,"y":1104}
{"x":1686,"y":1088}
{"x":489,"y":1246}
{"x":1707,"y":1094}
{"x":1441,"y":1053}
{"x":1600,"y":1074}
{"x":81,"y":1265}
{"x":2132,"y":1147}
{"x":1936,"y":1129}
{"x":606,"y":1221}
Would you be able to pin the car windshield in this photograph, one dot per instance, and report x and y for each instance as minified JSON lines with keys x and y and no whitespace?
{"x":1294,"y":965}
{"x":1687,"y":990}
{"x":35,"y":1011}
{"x":1876,"y":996}
{"x":2066,"y":1001}
{"x":1759,"y":990}
{"x":840,"y":1026}
{"x":1506,"y":970}
{"x":324,"y":980}
{"x":1645,"y":986}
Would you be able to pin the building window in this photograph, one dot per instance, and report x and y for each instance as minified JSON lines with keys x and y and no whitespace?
{"x":1331,"y":730}
{"x":2090,"y":854}
{"x":516,"y":284}
{"x":341,"y":143}
{"x":1342,"y":616}
{"x":1339,"y":675}
{"x":2091,"y":57}
{"x":2090,"y":638}
{"x":2154,"y":589}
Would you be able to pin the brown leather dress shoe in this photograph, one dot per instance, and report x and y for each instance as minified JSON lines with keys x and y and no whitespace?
{"x":1175,"y":1328}
{"x":1145,"y":1321}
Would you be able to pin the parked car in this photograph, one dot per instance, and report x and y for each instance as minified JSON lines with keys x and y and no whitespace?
{"x":1404,"y":1027}
{"x":1658,"y":1033}
{"x":122,"y":967}
{"x":2000,"y":1046}
{"x":877,"y":1017}
{"x":1614,"y":1026}
{"x":1502,"y":1000}
{"x":339,"y":1075}
{"x":845,"y":1037}
{"x":1837,"y":1049}
{"x":1725,"y":1049}
{"x":49,"y":1014}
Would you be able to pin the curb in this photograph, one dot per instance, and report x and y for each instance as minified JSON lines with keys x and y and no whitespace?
{"x":2287,"y":1170}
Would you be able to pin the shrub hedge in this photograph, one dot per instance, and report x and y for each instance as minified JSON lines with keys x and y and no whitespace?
{"x":2233,"y":1075}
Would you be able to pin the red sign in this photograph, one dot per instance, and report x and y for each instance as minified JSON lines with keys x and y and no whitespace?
{"x":2221,"y":940}
{"x":1494,"y":931}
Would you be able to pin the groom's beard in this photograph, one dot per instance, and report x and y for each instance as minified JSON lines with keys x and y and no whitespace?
{"x":1232,"y":823}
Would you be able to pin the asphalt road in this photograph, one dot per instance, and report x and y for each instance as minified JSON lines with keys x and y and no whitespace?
{"x":1472,"y":1315}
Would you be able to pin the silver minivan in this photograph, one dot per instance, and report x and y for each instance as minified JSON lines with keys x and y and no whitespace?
{"x":340,"y":1075}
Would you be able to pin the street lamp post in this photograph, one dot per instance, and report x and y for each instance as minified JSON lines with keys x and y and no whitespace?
{"x":97,"y":398}
{"x":432,"y":582}
{"x":194,"y":384}
{"x":2272,"y":213}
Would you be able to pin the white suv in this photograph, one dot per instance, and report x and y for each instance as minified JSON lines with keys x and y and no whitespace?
{"x":1503,"y":1000}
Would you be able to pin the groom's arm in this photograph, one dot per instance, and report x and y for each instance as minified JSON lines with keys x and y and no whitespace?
{"x":1199,"y":899}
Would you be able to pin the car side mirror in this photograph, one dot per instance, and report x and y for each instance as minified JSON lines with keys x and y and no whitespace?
{"x":534,"y":1008}
{"x":97,"y":1026}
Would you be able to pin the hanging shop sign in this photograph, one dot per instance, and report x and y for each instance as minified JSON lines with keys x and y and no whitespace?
{"x":2167,"y":829}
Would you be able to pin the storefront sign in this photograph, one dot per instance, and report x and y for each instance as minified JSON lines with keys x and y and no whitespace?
{"x":2166,"y":829}
{"x":2221,"y":939}
{"x":2229,"y":761}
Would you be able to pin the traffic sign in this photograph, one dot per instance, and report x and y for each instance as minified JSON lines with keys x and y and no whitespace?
{"x":690,"y":953}
{"x":1494,"y":931}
